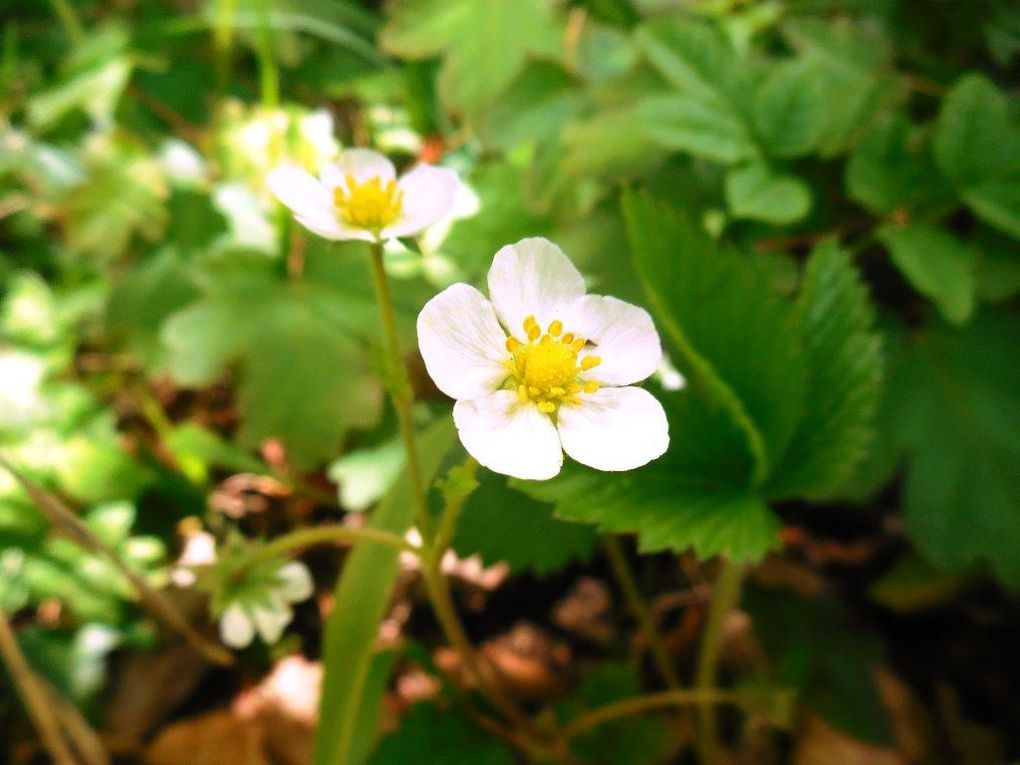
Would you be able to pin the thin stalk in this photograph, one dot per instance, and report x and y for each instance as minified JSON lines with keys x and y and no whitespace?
{"x":269,"y":74}
{"x":286,"y":544}
{"x":67,"y":522}
{"x":446,"y":613}
{"x":725,"y":595}
{"x":69,"y":19}
{"x":223,"y":38}
{"x":639,"y":704}
{"x":33,"y":694}
{"x":640,"y":611}
{"x":400,"y":387}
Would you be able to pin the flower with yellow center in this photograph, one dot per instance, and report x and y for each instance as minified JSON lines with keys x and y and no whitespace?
{"x":543,"y":368}
{"x":360,"y":197}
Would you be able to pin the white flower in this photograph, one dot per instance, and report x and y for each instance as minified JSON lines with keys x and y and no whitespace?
{"x":265,"y":608}
{"x":544,"y":368}
{"x":359,"y":196}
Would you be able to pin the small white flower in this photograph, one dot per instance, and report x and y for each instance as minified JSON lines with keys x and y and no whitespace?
{"x":544,"y":368}
{"x":264,"y":608}
{"x":360,"y":197}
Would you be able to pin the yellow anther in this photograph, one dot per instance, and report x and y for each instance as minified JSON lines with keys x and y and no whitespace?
{"x":372,"y":204}
{"x":546,"y":368}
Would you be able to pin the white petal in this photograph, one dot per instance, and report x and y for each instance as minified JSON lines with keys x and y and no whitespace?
{"x":333,"y":229}
{"x":509,"y":437}
{"x":624,"y":337}
{"x":301,"y":192}
{"x":614,"y":429}
{"x":271,"y":618}
{"x":295,"y":583}
{"x":363,"y":164}
{"x":462,"y":344}
{"x":428,"y":196}
{"x":532,"y":278}
{"x":236,"y":627}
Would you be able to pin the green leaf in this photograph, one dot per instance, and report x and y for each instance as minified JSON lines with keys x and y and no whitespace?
{"x":694,"y":497}
{"x":304,"y":379}
{"x":957,"y":397}
{"x":791,"y":109}
{"x":724,"y":324}
{"x":535,"y":106}
{"x":977,"y":146}
{"x":888,"y":171}
{"x":148,"y":295}
{"x":93,"y":80}
{"x":756,"y":192}
{"x":702,"y":126}
{"x":703,"y":117}
{"x":844,"y":377}
{"x":501,"y":524}
{"x":362,"y":595}
{"x":430,"y":736}
{"x":484,"y":44}
{"x":937,"y":264}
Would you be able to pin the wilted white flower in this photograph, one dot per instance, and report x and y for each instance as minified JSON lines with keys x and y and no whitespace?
{"x":262,"y":604}
{"x":544,"y":368}
{"x":360,"y":197}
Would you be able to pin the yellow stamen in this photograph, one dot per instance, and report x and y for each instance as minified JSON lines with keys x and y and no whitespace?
{"x":545,"y":369}
{"x":372,"y":205}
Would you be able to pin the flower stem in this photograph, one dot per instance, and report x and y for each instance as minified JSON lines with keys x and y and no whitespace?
{"x":639,"y":704}
{"x":400,"y":387}
{"x":33,"y":695}
{"x":724,"y":597}
{"x":332,"y":534}
{"x":639,"y":609}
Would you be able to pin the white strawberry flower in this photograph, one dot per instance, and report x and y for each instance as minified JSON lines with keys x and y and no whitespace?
{"x":261,"y":605}
{"x":360,"y":197}
{"x":541,"y":368}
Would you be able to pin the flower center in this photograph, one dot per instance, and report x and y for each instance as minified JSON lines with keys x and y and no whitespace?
{"x":546,"y":369}
{"x":372,"y":205}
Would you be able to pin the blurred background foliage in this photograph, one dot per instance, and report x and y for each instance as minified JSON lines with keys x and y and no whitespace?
{"x":819,"y":201}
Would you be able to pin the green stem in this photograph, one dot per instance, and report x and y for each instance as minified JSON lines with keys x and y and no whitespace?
{"x":269,"y":75}
{"x":286,"y":544}
{"x":639,"y":704}
{"x":33,"y":695}
{"x":725,"y":596}
{"x":69,"y":19}
{"x":400,"y":387}
{"x":223,"y":37}
{"x":640,"y":611}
